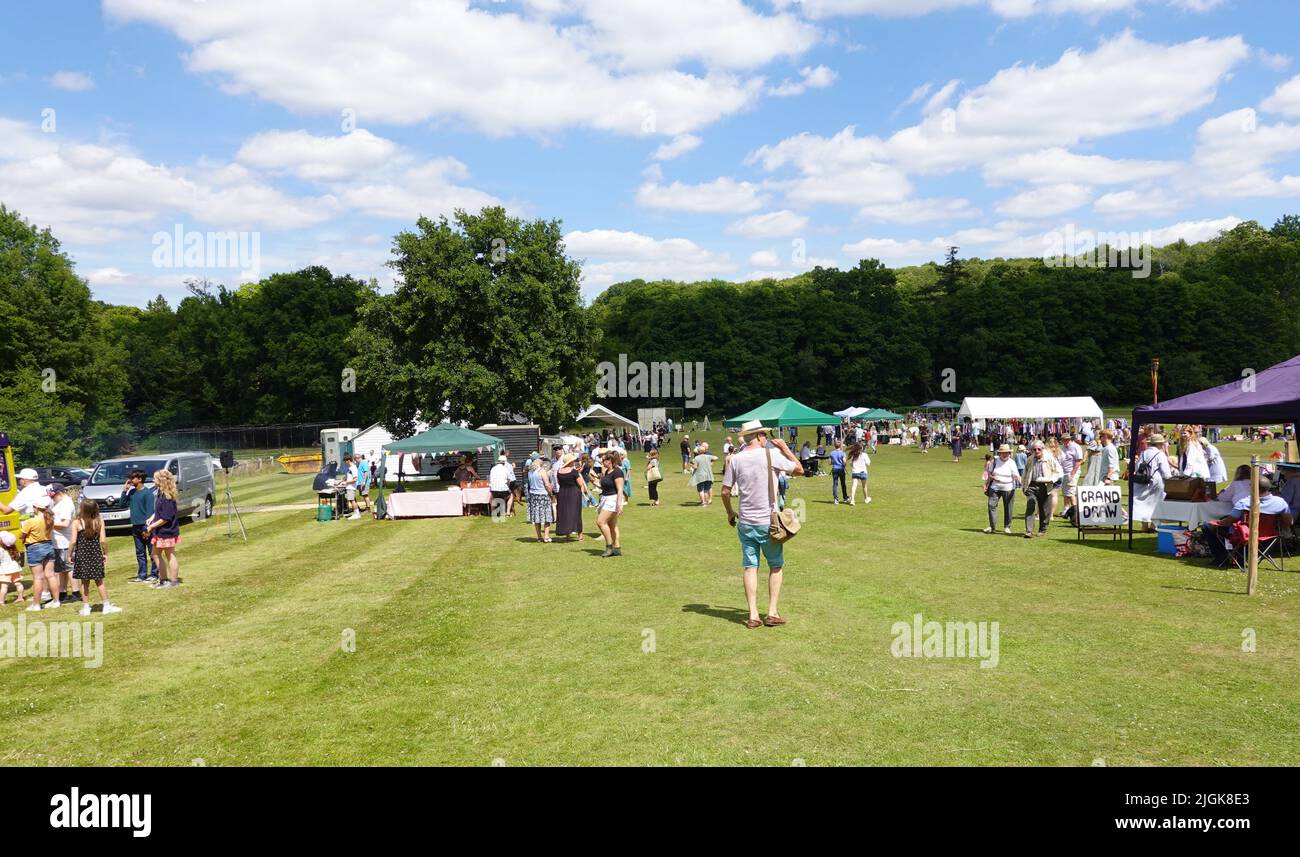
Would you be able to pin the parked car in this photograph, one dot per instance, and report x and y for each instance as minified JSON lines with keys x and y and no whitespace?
{"x":194,"y":484}
{"x":66,"y":474}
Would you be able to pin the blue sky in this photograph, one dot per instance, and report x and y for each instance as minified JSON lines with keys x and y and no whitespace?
{"x":673,"y":138}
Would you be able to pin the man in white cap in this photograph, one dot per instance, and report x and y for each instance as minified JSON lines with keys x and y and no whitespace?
{"x":748,"y":471}
{"x":499,"y":479}
{"x":29,"y":489}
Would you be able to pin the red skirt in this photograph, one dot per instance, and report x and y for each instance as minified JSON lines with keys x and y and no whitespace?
{"x":160,"y":542}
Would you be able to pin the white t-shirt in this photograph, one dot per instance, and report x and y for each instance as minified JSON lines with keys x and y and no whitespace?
{"x":27,"y":495}
{"x":861,"y":463}
{"x":1004,"y":474}
{"x":747,"y":471}
{"x":64,"y":510}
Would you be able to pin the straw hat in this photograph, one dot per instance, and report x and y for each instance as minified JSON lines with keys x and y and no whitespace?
{"x":567,"y":459}
{"x":752,"y":427}
{"x":1157,"y":438}
{"x":1004,"y":448}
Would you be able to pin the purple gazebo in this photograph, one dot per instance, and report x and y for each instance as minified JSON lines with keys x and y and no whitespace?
{"x":1270,"y":396}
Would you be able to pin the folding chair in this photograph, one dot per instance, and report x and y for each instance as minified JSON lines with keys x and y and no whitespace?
{"x":1272,"y":545}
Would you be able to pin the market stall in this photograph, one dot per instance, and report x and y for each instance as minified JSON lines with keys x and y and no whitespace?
{"x":1263,"y":398}
{"x":782,"y":413}
{"x":442,"y":439}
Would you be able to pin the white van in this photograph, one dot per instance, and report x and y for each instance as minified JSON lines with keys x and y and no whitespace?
{"x":195,"y":485}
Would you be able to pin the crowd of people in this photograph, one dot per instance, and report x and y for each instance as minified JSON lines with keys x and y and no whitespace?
{"x":65,"y":543}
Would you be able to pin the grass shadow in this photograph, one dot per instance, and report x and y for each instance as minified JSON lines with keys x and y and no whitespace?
{"x":730,"y":614}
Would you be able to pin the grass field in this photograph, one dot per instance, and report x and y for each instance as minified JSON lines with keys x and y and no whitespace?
{"x":475,"y":644}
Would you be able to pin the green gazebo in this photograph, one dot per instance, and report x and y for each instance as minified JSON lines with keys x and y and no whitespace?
{"x":780,"y":413}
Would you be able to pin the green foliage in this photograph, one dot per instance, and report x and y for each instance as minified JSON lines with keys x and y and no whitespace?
{"x":877,"y":337}
{"x":487,"y":318}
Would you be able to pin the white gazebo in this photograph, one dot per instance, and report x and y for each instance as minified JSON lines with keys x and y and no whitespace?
{"x":603,"y":414}
{"x":1021,"y":408}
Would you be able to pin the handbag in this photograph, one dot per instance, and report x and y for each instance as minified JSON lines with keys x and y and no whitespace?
{"x":785,"y":525}
{"x":653,"y":474}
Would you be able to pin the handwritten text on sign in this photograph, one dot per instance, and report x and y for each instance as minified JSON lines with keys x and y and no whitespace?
{"x":1100,"y":506}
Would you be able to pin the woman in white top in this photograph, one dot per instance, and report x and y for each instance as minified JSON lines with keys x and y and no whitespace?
{"x":1001,"y":478}
{"x":1218,"y":470}
{"x":1191,"y":456}
{"x":1240,"y":487}
{"x":1155,"y":460}
{"x":859,"y":461}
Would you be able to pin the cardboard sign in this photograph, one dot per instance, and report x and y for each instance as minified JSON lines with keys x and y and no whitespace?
{"x":1100,"y":505}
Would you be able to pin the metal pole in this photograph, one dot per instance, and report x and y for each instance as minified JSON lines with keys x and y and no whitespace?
{"x":1252,"y":577}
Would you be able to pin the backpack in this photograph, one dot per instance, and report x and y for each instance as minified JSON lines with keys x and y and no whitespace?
{"x":1142,"y":476}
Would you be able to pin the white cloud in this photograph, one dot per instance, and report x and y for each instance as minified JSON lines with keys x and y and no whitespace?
{"x":630,"y":255}
{"x":722,"y":195}
{"x":676,"y":147}
{"x":317,"y":158}
{"x":817,"y":9}
{"x":764,"y":259}
{"x":72,"y":81}
{"x":499,"y":69}
{"x":1285,"y":99}
{"x":106,"y":276}
{"x":893,"y":251}
{"x":1045,"y":201}
{"x":93,"y":194}
{"x":919,"y":210}
{"x":1234,"y":152}
{"x":1128,"y":204}
{"x":1056,"y":165}
{"x":773,"y":224}
{"x":818,"y":77}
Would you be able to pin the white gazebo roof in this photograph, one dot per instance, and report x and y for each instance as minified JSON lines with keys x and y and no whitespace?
{"x":1042,"y":408}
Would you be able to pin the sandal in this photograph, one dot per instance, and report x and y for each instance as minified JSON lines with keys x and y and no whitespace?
{"x":751,"y":624}
{"x":773,"y":621}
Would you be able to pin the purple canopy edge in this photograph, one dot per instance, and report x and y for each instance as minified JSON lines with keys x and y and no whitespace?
{"x":1270,"y":396}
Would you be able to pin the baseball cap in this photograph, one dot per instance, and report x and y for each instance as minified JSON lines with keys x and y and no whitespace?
{"x":28,"y":473}
{"x":8,"y":539}
{"x":56,"y":488}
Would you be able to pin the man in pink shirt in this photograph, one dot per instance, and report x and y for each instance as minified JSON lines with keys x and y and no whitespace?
{"x":748,"y":471}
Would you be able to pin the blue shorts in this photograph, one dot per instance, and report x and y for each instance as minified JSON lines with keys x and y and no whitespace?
{"x":862,"y":476}
{"x":754,"y":538}
{"x":39,"y":553}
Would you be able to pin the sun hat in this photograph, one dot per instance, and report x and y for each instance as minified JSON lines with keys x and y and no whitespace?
{"x":1157,"y":438}
{"x":567,"y":458}
{"x":1004,"y":448}
{"x":752,"y":427}
{"x":8,"y":539}
{"x":28,"y":473}
{"x":43,"y":502}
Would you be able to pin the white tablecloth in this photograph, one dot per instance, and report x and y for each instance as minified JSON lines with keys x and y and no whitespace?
{"x":425,"y":504}
{"x":1194,"y":514}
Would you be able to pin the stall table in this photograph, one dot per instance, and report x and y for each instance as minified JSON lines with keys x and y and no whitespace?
{"x":1194,"y":514}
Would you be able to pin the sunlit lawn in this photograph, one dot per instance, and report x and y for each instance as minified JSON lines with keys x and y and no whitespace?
{"x":473,"y":643}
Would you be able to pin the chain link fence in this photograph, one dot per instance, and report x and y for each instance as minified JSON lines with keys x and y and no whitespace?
{"x":271,"y":438}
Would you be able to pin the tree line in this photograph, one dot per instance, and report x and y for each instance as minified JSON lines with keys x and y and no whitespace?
{"x":487,"y":320}
{"x":880,"y":337}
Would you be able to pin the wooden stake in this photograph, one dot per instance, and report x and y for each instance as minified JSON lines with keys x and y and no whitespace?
{"x":1252,"y":577}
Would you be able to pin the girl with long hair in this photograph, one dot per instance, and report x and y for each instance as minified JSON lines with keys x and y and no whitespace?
{"x":611,"y":502}
{"x":89,"y":549}
{"x":165,"y":528}
{"x":37,"y":532}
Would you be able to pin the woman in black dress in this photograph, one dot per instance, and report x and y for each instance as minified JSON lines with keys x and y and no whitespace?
{"x":569,"y":503}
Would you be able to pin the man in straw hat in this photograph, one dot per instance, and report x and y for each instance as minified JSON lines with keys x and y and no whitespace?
{"x":747,"y":472}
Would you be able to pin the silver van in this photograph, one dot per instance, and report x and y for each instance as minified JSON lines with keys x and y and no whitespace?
{"x":195,"y":485}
